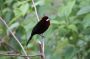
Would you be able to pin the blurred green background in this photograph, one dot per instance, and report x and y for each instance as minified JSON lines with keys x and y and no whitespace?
{"x":68,"y":36}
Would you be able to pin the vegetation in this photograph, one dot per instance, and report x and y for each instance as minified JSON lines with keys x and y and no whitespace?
{"x":68,"y":36}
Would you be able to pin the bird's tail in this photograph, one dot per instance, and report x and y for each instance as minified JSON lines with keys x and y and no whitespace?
{"x":29,"y":40}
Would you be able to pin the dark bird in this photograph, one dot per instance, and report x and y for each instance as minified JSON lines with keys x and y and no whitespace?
{"x":40,"y":27}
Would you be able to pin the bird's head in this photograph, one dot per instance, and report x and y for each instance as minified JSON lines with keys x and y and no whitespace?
{"x":45,"y":18}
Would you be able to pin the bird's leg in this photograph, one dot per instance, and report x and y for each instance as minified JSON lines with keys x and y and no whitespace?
{"x":42,"y":35}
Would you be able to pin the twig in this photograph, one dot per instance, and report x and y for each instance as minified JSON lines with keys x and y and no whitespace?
{"x":14,"y":36}
{"x":3,"y":54}
{"x":35,"y":10}
{"x":41,"y":47}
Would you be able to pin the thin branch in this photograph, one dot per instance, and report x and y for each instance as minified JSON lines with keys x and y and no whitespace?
{"x":41,"y":48}
{"x":19,"y":55}
{"x":35,"y":10}
{"x":14,"y":36}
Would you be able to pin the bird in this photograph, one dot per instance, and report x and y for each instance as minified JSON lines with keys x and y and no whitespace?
{"x":40,"y":27}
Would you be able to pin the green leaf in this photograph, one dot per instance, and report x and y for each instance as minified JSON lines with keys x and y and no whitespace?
{"x":83,"y":10}
{"x":17,"y":12}
{"x":86,"y":21}
{"x":21,"y":33}
{"x":72,"y":27}
{"x":55,"y":22}
{"x":23,"y":8}
{"x":66,"y":9}
{"x":14,"y":25}
{"x":8,"y":14}
{"x":68,"y":52}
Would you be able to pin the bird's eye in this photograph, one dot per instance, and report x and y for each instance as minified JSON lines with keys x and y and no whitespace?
{"x":47,"y":20}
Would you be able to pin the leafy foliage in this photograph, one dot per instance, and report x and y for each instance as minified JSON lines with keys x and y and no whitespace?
{"x":67,"y":38}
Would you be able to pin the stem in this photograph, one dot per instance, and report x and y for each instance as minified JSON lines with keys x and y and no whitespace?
{"x":35,"y":10}
{"x":4,"y":54}
{"x":41,"y":48}
{"x":14,"y":37}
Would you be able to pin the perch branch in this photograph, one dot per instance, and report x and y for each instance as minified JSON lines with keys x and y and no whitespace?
{"x":41,"y":47}
{"x":41,"y":43}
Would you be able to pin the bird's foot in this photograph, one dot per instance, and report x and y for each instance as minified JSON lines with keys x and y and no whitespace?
{"x":42,"y":35}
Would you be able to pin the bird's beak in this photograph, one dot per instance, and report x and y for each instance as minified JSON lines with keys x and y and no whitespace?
{"x":48,"y":19}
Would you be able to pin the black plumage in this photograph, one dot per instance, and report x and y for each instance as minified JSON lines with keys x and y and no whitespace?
{"x":40,"y":27}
